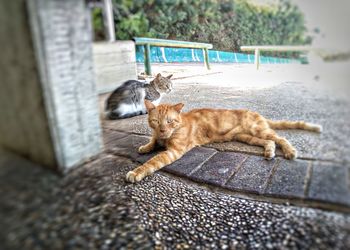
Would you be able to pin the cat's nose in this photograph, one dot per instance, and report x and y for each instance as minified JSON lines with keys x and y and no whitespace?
{"x":162,"y":130}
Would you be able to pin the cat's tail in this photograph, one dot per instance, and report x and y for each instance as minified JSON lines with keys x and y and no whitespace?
{"x":295,"y":125}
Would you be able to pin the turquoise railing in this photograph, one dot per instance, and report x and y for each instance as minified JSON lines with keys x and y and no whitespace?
{"x":163,"y":54}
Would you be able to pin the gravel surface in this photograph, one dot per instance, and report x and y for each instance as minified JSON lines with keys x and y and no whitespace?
{"x":180,"y":215}
{"x":88,"y":209}
{"x":92,"y":207}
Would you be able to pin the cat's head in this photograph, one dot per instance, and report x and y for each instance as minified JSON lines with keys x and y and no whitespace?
{"x":164,"y":119}
{"x":163,"y":84}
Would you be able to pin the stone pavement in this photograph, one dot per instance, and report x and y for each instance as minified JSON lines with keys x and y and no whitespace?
{"x":313,"y":183}
{"x":319,"y":177}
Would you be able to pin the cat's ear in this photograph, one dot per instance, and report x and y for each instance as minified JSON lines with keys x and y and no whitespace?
{"x":149,"y":105}
{"x":178,"y":107}
{"x":169,"y":76}
{"x":158,"y":75}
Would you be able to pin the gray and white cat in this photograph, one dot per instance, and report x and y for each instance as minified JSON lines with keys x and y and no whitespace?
{"x":128,"y":99}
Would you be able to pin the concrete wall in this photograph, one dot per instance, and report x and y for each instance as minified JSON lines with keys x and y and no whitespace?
{"x":24,"y":126}
{"x":48,"y":98}
{"x":114,"y":62}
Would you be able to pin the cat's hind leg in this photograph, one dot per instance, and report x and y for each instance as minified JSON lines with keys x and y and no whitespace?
{"x":269,"y":145}
{"x":116,"y":114}
{"x":129,"y":115}
{"x":112,"y":115}
{"x":142,"y":112}
{"x":289,"y":151}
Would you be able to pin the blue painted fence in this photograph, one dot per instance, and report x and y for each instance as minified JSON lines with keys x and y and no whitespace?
{"x":161,"y":55}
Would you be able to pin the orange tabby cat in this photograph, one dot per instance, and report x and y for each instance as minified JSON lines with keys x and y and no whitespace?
{"x":179,"y":132}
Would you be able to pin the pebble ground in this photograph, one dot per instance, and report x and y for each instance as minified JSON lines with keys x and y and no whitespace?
{"x":92,"y":207}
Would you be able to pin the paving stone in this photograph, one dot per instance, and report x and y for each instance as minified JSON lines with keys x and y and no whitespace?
{"x":132,"y":141}
{"x":127,"y":146}
{"x":142,"y":158}
{"x":330,"y":183}
{"x":288,"y":179}
{"x":192,"y":159}
{"x":110,"y":137}
{"x":218,"y":169}
{"x":252,"y":175}
{"x":136,"y":124}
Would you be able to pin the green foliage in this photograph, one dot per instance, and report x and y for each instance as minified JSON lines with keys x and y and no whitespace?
{"x":227,"y":24}
{"x":98,"y":23}
{"x":130,"y":19}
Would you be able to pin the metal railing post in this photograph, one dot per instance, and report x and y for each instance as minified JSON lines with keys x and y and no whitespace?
{"x":148,"y":69}
{"x":206,"y":58}
{"x":257,"y":58}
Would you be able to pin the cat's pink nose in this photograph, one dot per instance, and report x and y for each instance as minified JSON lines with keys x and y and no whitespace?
{"x":162,"y":130}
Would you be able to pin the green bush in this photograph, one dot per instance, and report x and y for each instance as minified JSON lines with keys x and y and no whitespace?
{"x":227,"y":24}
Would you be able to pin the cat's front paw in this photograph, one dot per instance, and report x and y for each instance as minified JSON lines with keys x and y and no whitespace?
{"x":291,"y":154}
{"x":133,"y":177}
{"x":270,"y":151}
{"x":269,"y":154}
{"x":144,"y":149}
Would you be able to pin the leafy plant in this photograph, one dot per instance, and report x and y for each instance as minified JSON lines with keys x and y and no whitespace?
{"x":227,"y":24}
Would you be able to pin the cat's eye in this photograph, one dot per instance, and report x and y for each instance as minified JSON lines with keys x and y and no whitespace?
{"x":154,"y":121}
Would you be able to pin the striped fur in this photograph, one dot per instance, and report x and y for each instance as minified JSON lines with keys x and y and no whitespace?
{"x":294,"y":125}
{"x":179,"y":132}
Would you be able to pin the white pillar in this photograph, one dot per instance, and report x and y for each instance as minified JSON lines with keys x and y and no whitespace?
{"x":108,"y":20}
{"x":48,"y":98}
